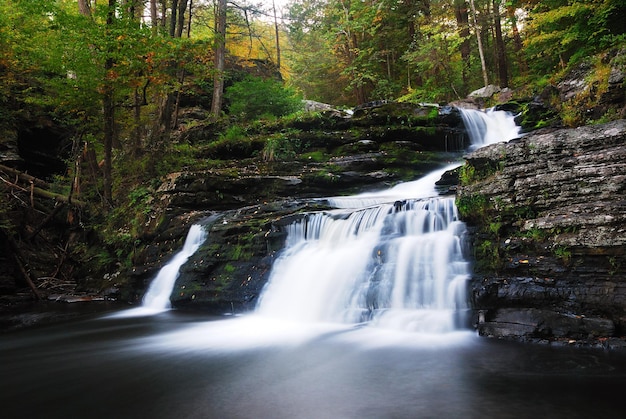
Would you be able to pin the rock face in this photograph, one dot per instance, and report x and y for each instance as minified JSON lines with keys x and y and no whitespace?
{"x":548,"y":215}
{"x":381,"y":144}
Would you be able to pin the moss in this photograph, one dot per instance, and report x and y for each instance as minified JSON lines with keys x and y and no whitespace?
{"x":473,"y":207}
{"x":488,"y":257}
{"x":316,"y":156}
{"x":472,"y":173}
{"x":562,"y":252}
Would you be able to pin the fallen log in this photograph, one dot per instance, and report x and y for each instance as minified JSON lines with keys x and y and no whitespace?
{"x":57,"y":208}
{"x":37,"y":190}
{"x":25,"y":177}
{"x":58,"y":197}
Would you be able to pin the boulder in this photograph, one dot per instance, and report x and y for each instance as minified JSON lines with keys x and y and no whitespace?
{"x":485,"y":92}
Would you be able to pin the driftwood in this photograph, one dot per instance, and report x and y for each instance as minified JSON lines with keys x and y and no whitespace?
{"x":36,"y":187}
{"x":27,"y":277}
{"x":17,"y":255}
{"x":57,"y":208}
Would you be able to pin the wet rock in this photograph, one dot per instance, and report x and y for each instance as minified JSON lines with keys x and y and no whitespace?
{"x":538,"y":323}
{"x":550,"y":223}
{"x":228,"y":272}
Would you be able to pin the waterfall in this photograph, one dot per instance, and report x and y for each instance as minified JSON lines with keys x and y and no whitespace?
{"x":391,"y":264}
{"x":158,"y":295}
{"x":489,"y":127}
{"x":394,"y":259}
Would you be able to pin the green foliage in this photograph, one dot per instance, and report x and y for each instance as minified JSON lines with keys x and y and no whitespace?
{"x":314,"y":156}
{"x":234,"y":142}
{"x":473,"y":206}
{"x":254,"y":97}
{"x":469,"y":173}
{"x":563,"y":253}
{"x":488,"y":256}
{"x":233,"y":133}
{"x":282,"y":146}
{"x":568,"y":31}
{"x":479,"y":210}
{"x":536,"y":234}
{"x":615,"y":265}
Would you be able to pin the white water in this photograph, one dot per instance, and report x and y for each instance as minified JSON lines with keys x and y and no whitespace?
{"x":394,"y":259}
{"x":489,"y":127}
{"x":157,"y":297}
{"x":399,"y":265}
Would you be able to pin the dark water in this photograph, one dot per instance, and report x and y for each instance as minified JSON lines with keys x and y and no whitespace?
{"x":177,"y":366}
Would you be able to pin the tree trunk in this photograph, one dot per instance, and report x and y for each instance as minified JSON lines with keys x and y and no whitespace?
{"x":154,"y":19}
{"x":462,"y":20}
{"x":163,"y":13}
{"x":189,"y":20}
{"x":180,"y":26}
{"x":220,"y":57}
{"x":503,"y":68}
{"x":136,"y":135}
{"x":84,"y":8}
{"x":134,"y":8}
{"x":481,"y":52}
{"x":108,"y":109}
{"x":517,"y":39}
{"x":40,"y":190}
{"x":277,"y":37}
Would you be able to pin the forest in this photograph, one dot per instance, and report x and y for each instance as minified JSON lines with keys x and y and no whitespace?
{"x":112,"y":86}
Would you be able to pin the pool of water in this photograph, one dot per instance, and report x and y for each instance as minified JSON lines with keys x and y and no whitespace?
{"x":174,"y":365}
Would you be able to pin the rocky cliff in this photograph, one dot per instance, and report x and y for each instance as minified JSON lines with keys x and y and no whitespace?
{"x":548,"y":215}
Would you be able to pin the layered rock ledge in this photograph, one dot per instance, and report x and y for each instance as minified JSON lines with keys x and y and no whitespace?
{"x":548,"y":220}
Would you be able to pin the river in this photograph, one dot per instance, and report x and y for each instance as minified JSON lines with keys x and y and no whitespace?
{"x":176,"y":365}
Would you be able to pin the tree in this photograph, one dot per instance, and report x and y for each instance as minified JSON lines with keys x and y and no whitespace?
{"x":503,"y":69}
{"x":219,"y":49}
{"x":462,"y":20}
{"x":84,"y":7}
{"x":511,"y":7}
{"x":481,"y":50}
{"x":277,"y":35}
{"x":108,"y":106}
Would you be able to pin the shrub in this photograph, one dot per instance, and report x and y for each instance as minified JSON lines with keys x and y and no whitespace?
{"x":254,"y":97}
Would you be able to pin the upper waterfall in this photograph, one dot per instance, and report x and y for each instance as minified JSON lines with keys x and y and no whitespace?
{"x":489,"y":126}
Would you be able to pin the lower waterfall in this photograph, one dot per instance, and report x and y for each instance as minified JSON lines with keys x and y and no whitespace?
{"x":400,"y":264}
{"x":396,"y":259}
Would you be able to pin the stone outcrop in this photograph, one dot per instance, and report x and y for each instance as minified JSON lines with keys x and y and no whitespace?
{"x":381,"y":144}
{"x":548,"y":215}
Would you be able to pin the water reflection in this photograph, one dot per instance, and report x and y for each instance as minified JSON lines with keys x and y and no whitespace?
{"x":182,"y":366}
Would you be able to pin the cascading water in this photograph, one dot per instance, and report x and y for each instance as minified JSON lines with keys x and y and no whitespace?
{"x":489,"y":127}
{"x":158,"y":295}
{"x":395,"y":258}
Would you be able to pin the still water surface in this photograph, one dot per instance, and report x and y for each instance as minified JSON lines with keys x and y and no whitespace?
{"x":179,"y":366}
